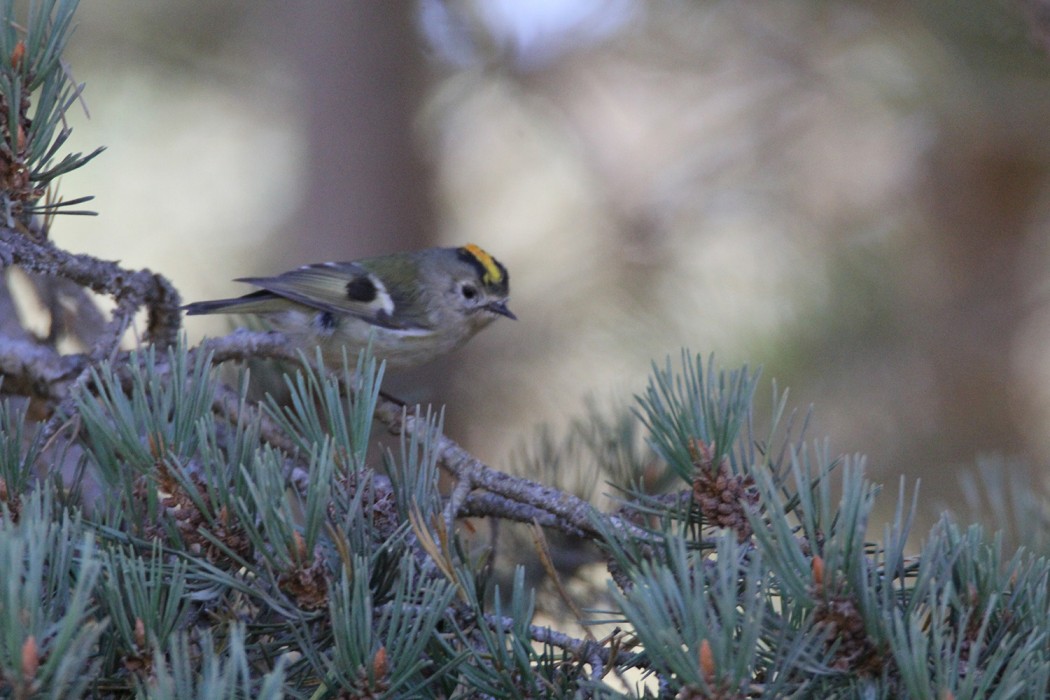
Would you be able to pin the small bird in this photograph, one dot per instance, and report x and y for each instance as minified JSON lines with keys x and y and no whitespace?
{"x":412,"y":306}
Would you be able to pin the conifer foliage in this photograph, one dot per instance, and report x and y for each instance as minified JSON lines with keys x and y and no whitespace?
{"x":163,"y":534}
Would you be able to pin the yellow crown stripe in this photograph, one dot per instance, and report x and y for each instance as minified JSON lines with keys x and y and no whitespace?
{"x":493,"y":274}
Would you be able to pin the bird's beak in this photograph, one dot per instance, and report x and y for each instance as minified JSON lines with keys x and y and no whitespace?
{"x":500,"y":307}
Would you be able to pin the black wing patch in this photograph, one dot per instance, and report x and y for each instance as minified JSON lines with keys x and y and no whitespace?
{"x":362,"y":289}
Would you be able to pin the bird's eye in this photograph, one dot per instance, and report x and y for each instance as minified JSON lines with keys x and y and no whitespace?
{"x":468,"y":291}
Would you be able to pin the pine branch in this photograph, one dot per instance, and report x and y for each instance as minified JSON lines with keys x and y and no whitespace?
{"x":131,"y":290}
{"x":184,"y":540}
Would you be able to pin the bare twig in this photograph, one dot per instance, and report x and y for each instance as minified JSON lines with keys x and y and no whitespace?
{"x":489,"y":505}
{"x":37,"y":371}
{"x":131,"y":289}
{"x":567,"y":509}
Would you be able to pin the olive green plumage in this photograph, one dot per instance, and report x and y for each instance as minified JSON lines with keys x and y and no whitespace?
{"x":412,"y":306}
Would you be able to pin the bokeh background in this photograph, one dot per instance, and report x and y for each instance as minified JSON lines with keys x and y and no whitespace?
{"x":852,"y":195}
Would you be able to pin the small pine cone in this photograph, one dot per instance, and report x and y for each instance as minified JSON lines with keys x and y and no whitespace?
{"x":307,"y":584}
{"x":722,"y":498}
{"x":842,"y":624}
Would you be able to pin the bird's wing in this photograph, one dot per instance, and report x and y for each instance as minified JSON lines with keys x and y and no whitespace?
{"x":339,"y":288}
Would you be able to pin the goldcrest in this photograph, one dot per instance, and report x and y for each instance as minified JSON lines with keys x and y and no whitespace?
{"x":412,"y":306}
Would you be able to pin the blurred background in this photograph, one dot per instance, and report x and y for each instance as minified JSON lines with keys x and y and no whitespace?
{"x":852,"y":195}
